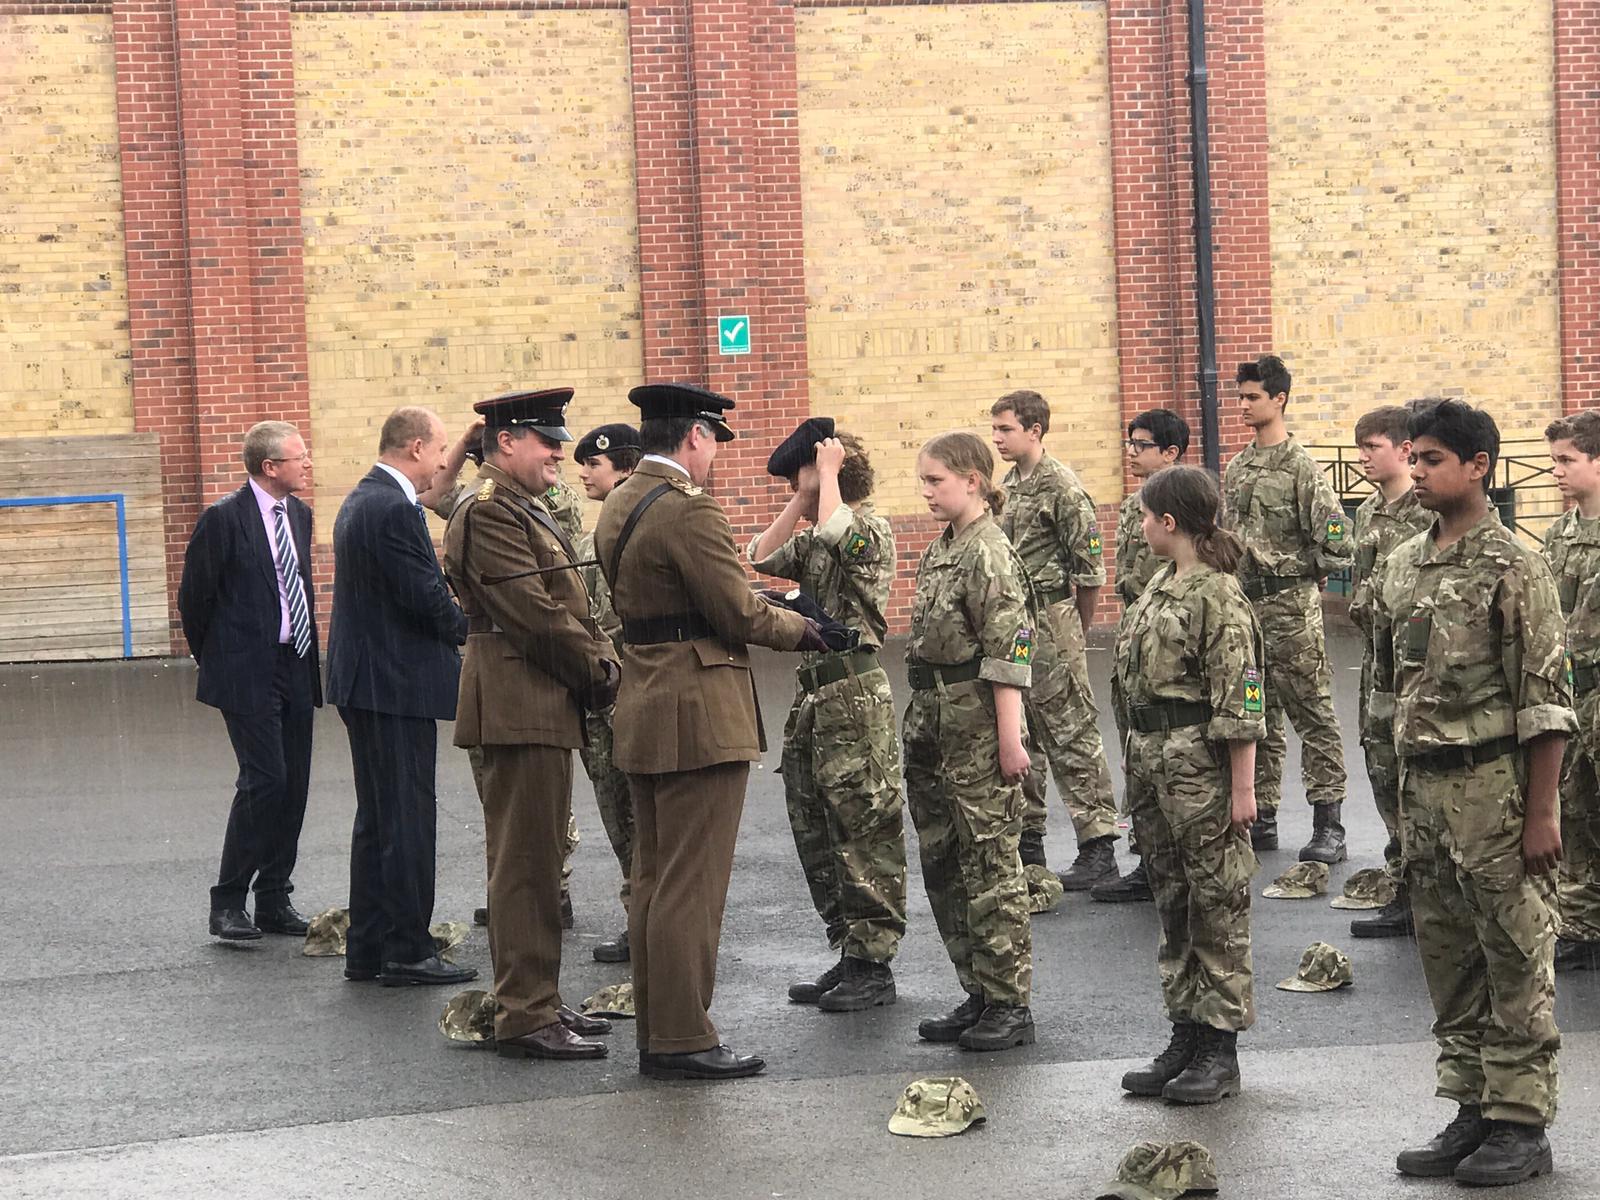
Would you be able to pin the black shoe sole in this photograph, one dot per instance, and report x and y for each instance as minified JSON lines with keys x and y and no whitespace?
{"x":1231,"y":1088}
{"x":422,"y":980}
{"x":1441,"y":1169}
{"x":507,"y":1050}
{"x":882,"y":998}
{"x":252,"y":936}
{"x":1087,"y":885}
{"x":653,"y":1071}
{"x":1342,"y":856}
{"x":1361,"y":929}
{"x":1543,"y":1165}
{"x":283,"y":930}
{"x":612,"y":957}
{"x":361,"y":977}
{"x":1023,"y":1037}
{"x":1141,"y":896}
{"x":1152,"y":1089}
{"x":942,"y":1037}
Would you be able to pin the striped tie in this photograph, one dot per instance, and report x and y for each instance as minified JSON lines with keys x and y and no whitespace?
{"x":294,"y":588}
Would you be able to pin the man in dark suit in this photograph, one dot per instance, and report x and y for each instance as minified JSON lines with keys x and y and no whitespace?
{"x":393,"y":671}
{"x":249,"y":615}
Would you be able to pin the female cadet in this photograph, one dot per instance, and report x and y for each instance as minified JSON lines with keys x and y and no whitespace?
{"x":1189,"y":691}
{"x":969,"y":657}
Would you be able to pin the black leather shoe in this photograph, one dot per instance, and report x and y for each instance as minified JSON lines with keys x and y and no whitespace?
{"x":1264,"y":832}
{"x":1465,"y":1133}
{"x":953,"y":1024}
{"x":809,"y":991}
{"x":361,"y":974}
{"x":1131,"y":888}
{"x":1213,"y":1072}
{"x":480,"y":916}
{"x":719,"y":1062}
{"x":1391,"y":921}
{"x":1168,"y":1065}
{"x":1511,"y":1153}
{"x":1096,"y":863}
{"x":1577,"y":956}
{"x":1031,"y":848}
{"x":583,"y":1023}
{"x":1327,"y":836}
{"x":281,"y":919}
{"x":430,"y":970}
{"x":865,"y":985}
{"x":614,"y":951}
{"x":1001,"y":1027}
{"x":233,"y":925}
{"x":555,"y":1040}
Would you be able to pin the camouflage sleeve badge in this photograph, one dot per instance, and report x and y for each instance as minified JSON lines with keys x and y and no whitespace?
{"x":857,"y":547}
{"x":1094,"y":541}
{"x":1254,"y":694}
{"x":1336,"y":527}
{"x":1022,"y":647}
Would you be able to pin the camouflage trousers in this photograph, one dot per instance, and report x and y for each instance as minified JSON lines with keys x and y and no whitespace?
{"x":1486,"y":933}
{"x":969,"y":823}
{"x":1199,"y":871}
{"x":611,"y":796}
{"x":1578,"y":885}
{"x":1383,"y":771}
{"x":1299,"y":686}
{"x":841,"y":782}
{"x":475,"y":757}
{"x":1064,"y":731}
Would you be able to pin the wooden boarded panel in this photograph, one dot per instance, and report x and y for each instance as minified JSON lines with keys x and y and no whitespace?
{"x":61,"y":587}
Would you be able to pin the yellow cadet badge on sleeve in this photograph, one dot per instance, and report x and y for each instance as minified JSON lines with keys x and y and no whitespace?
{"x":1094,"y":542}
{"x":1335,"y":527}
{"x":1254,"y":698}
{"x":857,"y":546}
{"x":1022,"y":647}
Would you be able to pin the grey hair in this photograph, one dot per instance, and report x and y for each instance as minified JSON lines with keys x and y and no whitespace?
{"x":265,"y":440}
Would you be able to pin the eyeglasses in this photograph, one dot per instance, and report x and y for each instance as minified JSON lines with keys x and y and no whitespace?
{"x":1138,"y":445}
{"x":300,"y":458}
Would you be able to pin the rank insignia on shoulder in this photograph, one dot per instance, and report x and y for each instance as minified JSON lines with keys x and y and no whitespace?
{"x":486,"y":490}
{"x":1022,"y":647}
{"x":684,"y":486}
{"x":1254,"y":696}
{"x":857,"y":546}
{"x":1335,"y":527}
{"x":1094,"y":542}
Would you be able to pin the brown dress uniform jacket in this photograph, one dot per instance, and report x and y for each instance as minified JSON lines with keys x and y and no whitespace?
{"x":533,"y":649}
{"x":685,"y":705}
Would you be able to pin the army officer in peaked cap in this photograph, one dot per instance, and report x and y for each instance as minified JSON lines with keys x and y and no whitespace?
{"x":534,"y":664}
{"x":687,"y":728}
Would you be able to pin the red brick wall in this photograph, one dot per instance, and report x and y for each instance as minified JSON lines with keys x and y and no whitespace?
{"x":1578,"y":198}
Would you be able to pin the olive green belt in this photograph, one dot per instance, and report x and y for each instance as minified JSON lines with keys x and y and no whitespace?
{"x":922,"y":675}
{"x":831,"y":670}
{"x":1169,"y":714}
{"x":1585,"y":678}
{"x":1050,"y":597}
{"x":1454,"y":758}
{"x":1261,"y":586}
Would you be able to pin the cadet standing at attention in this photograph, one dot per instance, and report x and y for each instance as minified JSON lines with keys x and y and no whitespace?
{"x":534,"y":663}
{"x":1295,"y":534}
{"x":1156,"y":440}
{"x":1050,"y":520}
{"x":1189,"y":691}
{"x":841,"y":761}
{"x":1469,"y":660}
{"x":1572,"y":547}
{"x":1386,"y":518}
{"x":687,"y":726}
{"x":605,"y":457}
{"x":968,"y":661}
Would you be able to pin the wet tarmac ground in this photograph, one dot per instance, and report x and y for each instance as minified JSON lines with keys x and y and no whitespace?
{"x":143,"y":1058}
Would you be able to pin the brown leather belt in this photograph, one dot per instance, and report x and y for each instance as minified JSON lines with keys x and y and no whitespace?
{"x":674,"y":627}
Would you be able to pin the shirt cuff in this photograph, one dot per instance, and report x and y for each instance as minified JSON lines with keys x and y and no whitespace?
{"x":762,"y":564}
{"x":999,"y":670}
{"x":831,"y":532}
{"x":1236,"y":729}
{"x":1093,"y":579}
{"x":1545,"y":718}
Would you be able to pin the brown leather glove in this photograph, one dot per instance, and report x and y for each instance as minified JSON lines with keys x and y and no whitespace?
{"x":812,"y":638}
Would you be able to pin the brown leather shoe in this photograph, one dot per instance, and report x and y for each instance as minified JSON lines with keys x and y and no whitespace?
{"x":554,"y":1040}
{"x":582,"y":1023}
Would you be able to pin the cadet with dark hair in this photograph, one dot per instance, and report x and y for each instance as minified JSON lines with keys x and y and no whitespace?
{"x":1470,"y":663}
{"x":1295,"y":534}
{"x":1189,"y":690}
{"x":1572,"y":547}
{"x":1051,"y":521}
{"x":841,"y":761}
{"x":1386,"y":518}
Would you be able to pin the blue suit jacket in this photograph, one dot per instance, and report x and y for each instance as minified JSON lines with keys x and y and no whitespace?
{"x":228,"y":601}
{"x":392,"y":646}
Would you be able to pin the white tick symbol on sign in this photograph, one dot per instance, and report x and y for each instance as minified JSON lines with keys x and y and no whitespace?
{"x":733,"y":333}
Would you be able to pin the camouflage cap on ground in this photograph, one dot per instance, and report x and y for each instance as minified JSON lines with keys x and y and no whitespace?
{"x":1299,"y":882}
{"x":937,"y":1108}
{"x":325,"y":936}
{"x":613,"y":1000}
{"x":1162,"y":1171}
{"x":469,"y":1017}
{"x":1370,"y":887}
{"x":1322,"y":969}
{"x":1044,"y":888}
{"x":447,"y":935}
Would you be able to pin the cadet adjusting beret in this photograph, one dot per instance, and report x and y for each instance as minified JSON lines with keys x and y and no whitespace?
{"x":605,"y":438}
{"x":656,"y":400}
{"x":800,"y":447}
{"x":544,"y":412}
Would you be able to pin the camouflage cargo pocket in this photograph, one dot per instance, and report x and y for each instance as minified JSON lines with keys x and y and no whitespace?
{"x":1485,"y":820}
{"x":856,"y":756}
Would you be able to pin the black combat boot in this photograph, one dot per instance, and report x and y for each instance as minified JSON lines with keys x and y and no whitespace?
{"x":1133,"y":886}
{"x":1031,"y":847}
{"x":810,"y":991}
{"x":1511,"y":1153}
{"x":1327,"y":836}
{"x":1465,"y":1133}
{"x":1572,"y":955}
{"x":1168,"y":1065}
{"x":616,"y":950}
{"x":865,"y":985}
{"x":1001,"y":1027}
{"x":1096,"y":863}
{"x":480,"y":916}
{"x":1213,"y":1072}
{"x":1391,"y":921}
{"x":1264,"y":830}
{"x":953,"y":1024}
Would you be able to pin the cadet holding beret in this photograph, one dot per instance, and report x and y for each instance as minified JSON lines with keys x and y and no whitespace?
{"x":968,"y":660}
{"x":841,"y":761}
{"x":1189,"y":692}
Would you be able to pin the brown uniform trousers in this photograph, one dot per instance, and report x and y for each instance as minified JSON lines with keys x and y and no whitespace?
{"x":532,"y":650}
{"x":687,"y":729}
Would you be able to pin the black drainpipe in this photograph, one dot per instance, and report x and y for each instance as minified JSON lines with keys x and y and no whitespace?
{"x":1204,"y":284}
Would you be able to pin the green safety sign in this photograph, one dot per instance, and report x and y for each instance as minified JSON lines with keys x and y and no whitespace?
{"x":733,"y":335}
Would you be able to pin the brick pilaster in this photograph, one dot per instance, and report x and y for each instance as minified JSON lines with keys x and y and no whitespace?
{"x":1577,"y":27}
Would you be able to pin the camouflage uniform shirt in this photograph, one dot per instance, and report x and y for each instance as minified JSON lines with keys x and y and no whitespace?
{"x":1137,"y":564}
{"x":1572,"y":548}
{"x":1279,"y":501}
{"x":846,"y":565}
{"x":1050,"y":520}
{"x":972,"y":604}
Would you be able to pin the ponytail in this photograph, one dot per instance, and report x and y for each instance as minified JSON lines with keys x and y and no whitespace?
{"x":1219,"y":549}
{"x":993,"y":495}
